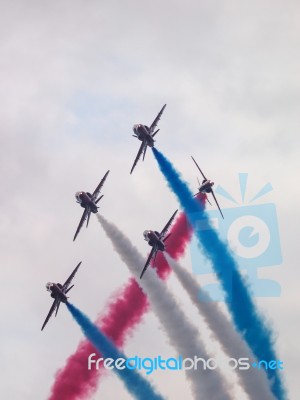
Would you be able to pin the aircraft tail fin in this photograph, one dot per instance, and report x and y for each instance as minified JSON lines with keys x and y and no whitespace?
{"x":88,"y":218}
{"x":57,"y":308}
{"x":144,"y":153}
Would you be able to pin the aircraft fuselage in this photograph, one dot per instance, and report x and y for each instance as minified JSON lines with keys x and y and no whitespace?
{"x":152,"y":237}
{"x":56,"y":291}
{"x":84,"y":199}
{"x":206,"y":186}
{"x":143,"y":133}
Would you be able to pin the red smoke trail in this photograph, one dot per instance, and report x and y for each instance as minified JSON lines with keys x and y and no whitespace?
{"x":181,"y":233}
{"x":74,"y":381}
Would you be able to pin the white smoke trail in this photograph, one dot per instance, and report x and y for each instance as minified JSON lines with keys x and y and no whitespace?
{"x":206,"y":384}
{"x":254,"y":381}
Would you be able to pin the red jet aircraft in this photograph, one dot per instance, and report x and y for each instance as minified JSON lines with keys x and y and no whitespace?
{"x":89,"y":202}
{"x":145,"y":135}
{"x":206,"y":187}
{"x":157,"y":241}
{"x":58,"y":293}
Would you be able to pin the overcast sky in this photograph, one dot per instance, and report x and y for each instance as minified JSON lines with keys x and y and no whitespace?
{"x":75,"y":77}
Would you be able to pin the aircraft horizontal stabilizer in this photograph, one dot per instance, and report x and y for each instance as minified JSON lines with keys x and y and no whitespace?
{"x":97,"y":201}
{"x":69,"y":289}
{"x":167,"y":237}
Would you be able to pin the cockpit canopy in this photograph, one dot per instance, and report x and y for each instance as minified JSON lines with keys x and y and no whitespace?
{"x":146,"y":234}
{"x":77,"y":195}
{"x":136,"y":128}
{"x":49,"y":286}
{"x":208,"y":182}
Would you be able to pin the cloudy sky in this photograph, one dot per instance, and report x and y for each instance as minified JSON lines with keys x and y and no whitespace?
{"x":75,"y":77}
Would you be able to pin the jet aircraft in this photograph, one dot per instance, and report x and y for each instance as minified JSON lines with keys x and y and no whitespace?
{"x":206,"y":187}
{"x":157,"y":241}
{"x":145,"y":134}
{"x":89,"y":202}
{"x":58,"y":293}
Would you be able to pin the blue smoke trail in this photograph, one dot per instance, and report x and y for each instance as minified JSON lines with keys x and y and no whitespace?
{"x":246,"y":318}
{"x":136,"y":385}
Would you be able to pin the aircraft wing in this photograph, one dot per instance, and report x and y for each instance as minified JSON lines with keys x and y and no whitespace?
{"x":204,"y":177}
{"x":69,"y":280}
{"x":98,"y":188}
{"x":152,"y":253}
{"x":212,"y":192}
{"x":164,"y":231}
{"x":155,"y":122}
{"x":141,"y":149}
{"x":83,"y":218}
{"x":55,"y":304}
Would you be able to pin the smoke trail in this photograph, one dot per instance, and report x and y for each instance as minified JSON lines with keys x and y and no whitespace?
{"x":183,"y":336}
{"x":181,"y":233}
{"x":253,"y":381}
{"x":135,"y":383}
{"x":244,"y":313}
{"x":123,"y":313}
